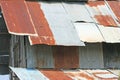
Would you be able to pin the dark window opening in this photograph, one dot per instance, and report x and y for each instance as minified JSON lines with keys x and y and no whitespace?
{"x":111,"y":55}
{"x":4,"y":47}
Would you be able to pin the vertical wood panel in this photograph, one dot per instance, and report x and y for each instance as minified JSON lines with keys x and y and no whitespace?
{"x":91,"y":56}
{"x":22,"y":52}
{"x":44,"y":56}
{"x":66,"y":57}
{"x":30,"y":55}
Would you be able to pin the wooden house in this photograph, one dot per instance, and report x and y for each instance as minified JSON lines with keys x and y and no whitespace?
{"x":61,"y":35}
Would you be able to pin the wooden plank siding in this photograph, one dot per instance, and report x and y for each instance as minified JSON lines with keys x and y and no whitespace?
{"x":44,"y":56}
{"x":66,"y":57}
{"x":91,"y":56}
{"x":17,"y":50}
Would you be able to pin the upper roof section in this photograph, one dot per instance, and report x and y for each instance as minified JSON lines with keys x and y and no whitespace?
{"x":63,"y":23}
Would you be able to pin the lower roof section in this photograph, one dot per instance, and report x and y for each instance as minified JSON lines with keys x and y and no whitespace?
{"x":52,"y":74}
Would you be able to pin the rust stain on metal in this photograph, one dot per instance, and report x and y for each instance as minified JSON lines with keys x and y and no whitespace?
{"x":103,"y":74}
{"x":66,"y":57}
{"x":34,"y":40}
{"x":102,"y":17}
{"x":115,"y":6}
{"x":86,"y":76}
{"x":105,"y":20}
{"x":17,"y":17}
{"x":45,"y":35}
{"x":55,"y":75}
{"x":95,"y":4}
{"x":80,"y":75}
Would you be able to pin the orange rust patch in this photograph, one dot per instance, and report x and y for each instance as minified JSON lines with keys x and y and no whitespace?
{"x":95,"y":4}
{"x":45,"y":35}
{"x":80,"y":75}
{"x":55,"y":75}
{"x":17,"y":17}
{"x":86,"y":76}
{"x":105,"y":20}
{"x":115,"y":6}
{"x":101,"y":72}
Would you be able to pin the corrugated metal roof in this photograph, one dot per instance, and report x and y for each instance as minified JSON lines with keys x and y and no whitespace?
{"x":114,"y":5}
{"x":28,"y":74}
{"x":55,"y":75}
{"x":17,"y":18}
{"x":77,"y":12}
{"x":103,"y":74}
{"x":110,"y":34}
{"x":60,"y":24}
{"x":63,"y":23}
{"x":33,"y":74}
{"x":101,"y":13}
{"x":41,"y":25}
{"x":52,"y":24}
{"x":88,"y":32}
{"x":116,"y":72}
{"x":79,"y":75}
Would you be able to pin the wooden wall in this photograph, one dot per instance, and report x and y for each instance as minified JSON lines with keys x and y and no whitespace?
{"x":43,"y":56}
{"x":95,"y":55}
{"x":17,"y":51}
{"x":91,"y":56}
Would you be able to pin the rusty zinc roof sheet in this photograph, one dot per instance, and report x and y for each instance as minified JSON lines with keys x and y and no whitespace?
{"x":114,"y":5}
{"x":50,"y":74}
{"x":101,"y":13}
{"x":45,"y":36}
{"x":17,"y":18}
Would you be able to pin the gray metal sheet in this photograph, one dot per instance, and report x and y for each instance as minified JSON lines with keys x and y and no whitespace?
{"x":77,"y":12}
{"x":28,"y":74}
{"x":110,"y":34}
{"x":88,"y":32}
{"x":62,"y":28}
